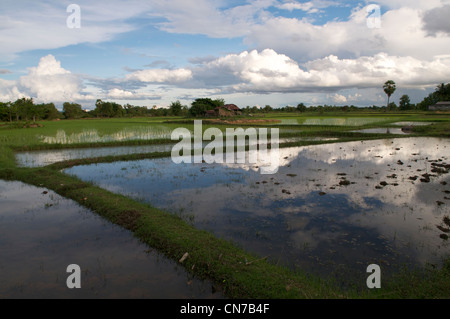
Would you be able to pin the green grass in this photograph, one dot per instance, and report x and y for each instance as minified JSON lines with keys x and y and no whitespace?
{"x":31,"y":138}
{"x":210,"y":257}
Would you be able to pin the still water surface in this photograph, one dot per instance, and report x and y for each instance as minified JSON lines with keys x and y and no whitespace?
{"x":47,"y":157}
{"x":330,"y":209}
{"x":41,"y":233}
{"x":333,"y":121}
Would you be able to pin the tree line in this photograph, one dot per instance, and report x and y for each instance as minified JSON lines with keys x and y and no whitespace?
{"x":441,"y":93}
{"x":25,"y":109}
{"x":105,"y":109}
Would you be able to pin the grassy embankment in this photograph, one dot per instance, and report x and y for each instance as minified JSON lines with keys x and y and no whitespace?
{"x":239,"y":273}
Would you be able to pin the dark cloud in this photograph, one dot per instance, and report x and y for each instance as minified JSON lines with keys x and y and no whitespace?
{"x":4,"y":71}
{"x":437,"y":20}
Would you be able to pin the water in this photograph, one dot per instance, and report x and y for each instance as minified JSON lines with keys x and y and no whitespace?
{"x":332,"y":121}
{"x":412,"y":123}
{"x":347,"y":121}
{"x":325,"y":211}
{"x":41,"y":233}
{"x":397,"y":131}
{"x":142,"y":133}
{"x":47,"y":157}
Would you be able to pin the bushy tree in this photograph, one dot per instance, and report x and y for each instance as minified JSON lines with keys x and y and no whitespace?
{"x":200,"y":106}
{"x":48,"y":111}
{"x":134,"y":111}
{"x":161,"y":111}
{"x":301,"y":107}
{"x":288,"y":108}
{"x":176,"y":108}
{"x":255,"y":109}
{"x":108,"y":109}
{"x":392,"y":107}
{"x":72,"y":110}
{"x":441,"y":93}
{"x":14,"y":109}
{"x":405,"y":103}
{"x":25,"y":108}
{"x":267,"y":109}
{"x":5,"y":111}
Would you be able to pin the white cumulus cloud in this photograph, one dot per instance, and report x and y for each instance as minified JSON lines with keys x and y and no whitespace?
{"x":49,"y":82}
{"x":120,"y":94}
{"x":261,"y":71}
{"x":338,"y":98}
{"x":9,"y":91}
{"x":160,"y":75}
{"x":268,"y":71}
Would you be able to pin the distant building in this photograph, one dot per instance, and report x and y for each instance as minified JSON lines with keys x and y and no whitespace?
{"x":210,"y":113}
{"x":227,"y":110}
{"x":234,"y":108}
{"x":440,"y":106}
{"x":223,"y":111}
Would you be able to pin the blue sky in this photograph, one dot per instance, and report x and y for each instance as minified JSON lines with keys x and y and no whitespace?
{"x":276,"y":52}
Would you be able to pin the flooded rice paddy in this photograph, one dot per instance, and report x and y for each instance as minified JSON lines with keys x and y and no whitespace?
{"x":330,"y":209}
{"x":149,"y":132}
{"x":137,"y":133}
{"x":397,"y":131}
{"x":404,"y":128}
{"x":47,"y":157}
{"x":412,"y":123}
{"x":42,"y":233}
{"x":335,"y":121}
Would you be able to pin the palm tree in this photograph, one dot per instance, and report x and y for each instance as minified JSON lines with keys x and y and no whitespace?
{"x":389,"y":88}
